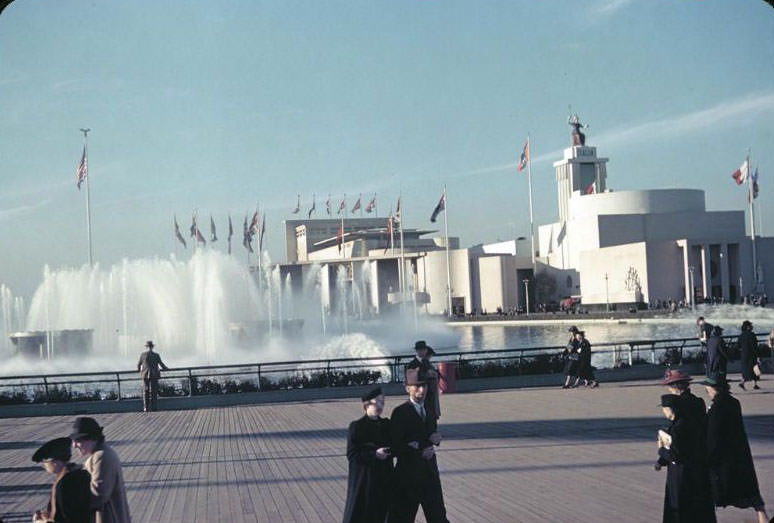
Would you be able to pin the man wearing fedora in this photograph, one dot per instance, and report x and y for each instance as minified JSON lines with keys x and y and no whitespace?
{"x":108,"y":494}
{"x":421,"y":361}
{"x":370,"y":479}
{"x":417,"y":481}
{"x":69,"y":501}
{"x":148,"y":366}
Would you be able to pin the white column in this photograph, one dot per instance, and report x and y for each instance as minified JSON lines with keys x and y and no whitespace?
{"x":686,"y":272}
{"x":706,"y":286}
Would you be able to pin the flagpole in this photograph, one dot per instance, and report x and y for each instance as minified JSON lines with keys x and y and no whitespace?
{"x":88,"y":198}
{"x":531,"y":218}
{"x":402,"y":258}
{"x":446,"y":232}
{"x":752,"y":222}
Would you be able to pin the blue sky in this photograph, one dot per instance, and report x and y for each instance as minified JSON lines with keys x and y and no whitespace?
{"x":216,"y":106}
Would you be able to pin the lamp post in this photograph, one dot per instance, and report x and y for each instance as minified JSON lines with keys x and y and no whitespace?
{"x":693,"y":292}
{"x":526,"y":292}
{"x":607,"y":295}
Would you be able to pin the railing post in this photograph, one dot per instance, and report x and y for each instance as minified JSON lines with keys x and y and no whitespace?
{"x":118,"y":383}
{"x":190,"y":383}
{"x":521,"y":371}
{"x":259,"y":377}
{"x":45,"y":386}
{"x":653,"y":353}
{"x":328,"y":374}
{"x":631,"y":359}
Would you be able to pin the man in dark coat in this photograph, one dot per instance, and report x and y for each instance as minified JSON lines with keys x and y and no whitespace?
{"x":682,"y":449}
{"x":370,"y":464}
{"x":422,"y":362}
{"x":705,"y":330}
{"x":585,"y":370}
{"x":70,"y":492}
{"x":148,"y":366}
{"x":732,"y":472}
{"x":717,"y":353}
{"x":571,"y":358}
{"x":748,"y":351}
{"x":417,"y":481}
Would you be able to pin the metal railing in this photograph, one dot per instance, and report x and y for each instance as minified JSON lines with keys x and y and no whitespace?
{"x":330,"y":372}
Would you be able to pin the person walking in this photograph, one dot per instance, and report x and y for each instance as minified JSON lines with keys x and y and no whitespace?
{"x":369,"y":484}
{"x":69,"y":502}
{"x":705,"y":330}
{"x":108,"y":494}
{"x":682,"y":449}
{"x":748,"y":350}
{"x":717,"y":353}
{"x":679,"y":384}
{"x":148,"y":367}
{"x":571,"y":358}
{"x":421,"y":361}
{"x":732,"y":473}
{"x":417,"y":481}
{"x":585,"y":370}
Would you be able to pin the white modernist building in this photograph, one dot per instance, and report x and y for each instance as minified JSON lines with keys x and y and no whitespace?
{"x":636,"y":247}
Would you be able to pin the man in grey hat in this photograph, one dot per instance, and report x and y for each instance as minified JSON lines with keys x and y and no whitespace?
{"x":417,"y":481}
{"x":422,"y":362}
{"x":70,"y":493}
{"x":148,"y":366}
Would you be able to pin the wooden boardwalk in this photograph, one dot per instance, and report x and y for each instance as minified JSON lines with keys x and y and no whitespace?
{"x":526,"y":455}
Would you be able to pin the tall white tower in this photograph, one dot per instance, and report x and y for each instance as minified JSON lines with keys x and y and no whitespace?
{"x":579,"y":171}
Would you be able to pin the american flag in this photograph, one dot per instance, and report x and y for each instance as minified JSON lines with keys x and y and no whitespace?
{"x":371,"y":205}
{"x":524,"y":157}
{"x":83,"y":169}
{"x":357,"y":204}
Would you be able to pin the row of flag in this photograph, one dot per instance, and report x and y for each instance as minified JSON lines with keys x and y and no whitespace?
{"x":369,"y":208}
{"x":742,"y":174}
{"x":256,"y":225}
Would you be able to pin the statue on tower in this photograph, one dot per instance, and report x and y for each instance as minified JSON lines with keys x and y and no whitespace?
{"x":578,"y":138}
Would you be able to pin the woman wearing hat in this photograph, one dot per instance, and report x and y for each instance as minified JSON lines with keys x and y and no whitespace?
{"x":108,"y":494}
{"x":69,"y":501}
{"x":732,"y":473}
{"x":571,"y":358}
{"x":748,"y":348}
{"x":717,"y":354}
{"x":585,"y":369}
{"x":682,"y":449}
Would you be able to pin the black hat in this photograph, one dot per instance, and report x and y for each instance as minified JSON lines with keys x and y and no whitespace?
{"x":747,"y":325}
{"x":669,"y":400}
{"x":573,"y":329}
{"x":414,"y":377}
{"x":371,"y":394}
{"x":422,"y":345}
{"x":59,"y":448}
{"x":86,"y":428}
{"x":716,"y":381}
{"x":149,"y":344}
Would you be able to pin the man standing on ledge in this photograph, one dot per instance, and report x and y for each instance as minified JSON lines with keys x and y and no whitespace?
{"x":148,"y":366}
{"x":417,"y":481}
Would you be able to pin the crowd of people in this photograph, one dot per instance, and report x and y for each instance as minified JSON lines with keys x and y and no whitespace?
{"x":747,"y":350}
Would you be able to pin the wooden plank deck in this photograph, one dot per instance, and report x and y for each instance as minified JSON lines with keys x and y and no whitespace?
{"x":526,"y":455}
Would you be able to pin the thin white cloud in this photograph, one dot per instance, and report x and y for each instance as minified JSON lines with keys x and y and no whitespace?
{"x":22,"y":209}
{"x":611,"y":6}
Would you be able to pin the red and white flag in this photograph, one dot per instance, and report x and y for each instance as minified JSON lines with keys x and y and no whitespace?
{"x":343,"y":204}
{"x":357,"y":204}
{"x":590,"y":188}
{"x":83,"y":169}
{"x":371,"y":205}
{"x":524,"y":157}
{"x":740,"y":175}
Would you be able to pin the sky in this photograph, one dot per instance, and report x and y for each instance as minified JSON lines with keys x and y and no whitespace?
{"x":217,"y":107}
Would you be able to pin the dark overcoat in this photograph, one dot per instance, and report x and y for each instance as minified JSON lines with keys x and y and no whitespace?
{"x":432,"y":396}
{"x":71,"y":497}
{"x":748,"y":351}
{"x":717,"y":356}
{"x":571,"y":357}
{"x":370,"y":479}
{"x":692,"y":406}
{"x":585,"y":370}
{"x":732,"y":472}
{"x":416,"y":479}
{"x":687,"y":496}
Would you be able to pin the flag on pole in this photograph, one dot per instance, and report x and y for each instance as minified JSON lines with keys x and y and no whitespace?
{"x":371,"y":205}
{"x":740,"y":175}
{"x":178,"y":235}
{"x":343,"y":204}
{"x":199,"y":237}
{"x":357,"y":204}
{"x":193,"y":226}
{"x":262,"y":233}
{"x":230,"y":228}
{"x":590,"y":188}
{"x":524,"y":158}
{"x":298,"y":205}
{"x":397,"y":213}
{"x":83,"y":169}
{"x":328,"y":205}
{"x":314,"y":207}
{"x":214,"y":236}
{"x":754,"y":184}
{"x":247,"y":237}
{"x":438,"y":208}
{"x":389,"y":231}
{"x":340,"y":235}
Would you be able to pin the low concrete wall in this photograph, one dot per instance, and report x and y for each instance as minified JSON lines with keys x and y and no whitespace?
{"x":638,"y":372}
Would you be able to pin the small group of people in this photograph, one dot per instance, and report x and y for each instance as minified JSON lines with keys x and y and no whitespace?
{"x":577,"y":361}
{"x":718,"y":354}
{"x":706,"y":452}
{"x":94,"y":493}
{"x":379,"y":489}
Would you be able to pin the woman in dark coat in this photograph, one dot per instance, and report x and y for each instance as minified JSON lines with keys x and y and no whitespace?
{"x":585,"y":370}
{"x":732,"y":473}
{"x":748,"y":349}
{"x":682,"y":449}
{"x":70,"y":493}
{"x":571,"y":358}
{"x":717,"y":354}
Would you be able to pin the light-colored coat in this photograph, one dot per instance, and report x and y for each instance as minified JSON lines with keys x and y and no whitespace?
{"x":108,"y":495}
